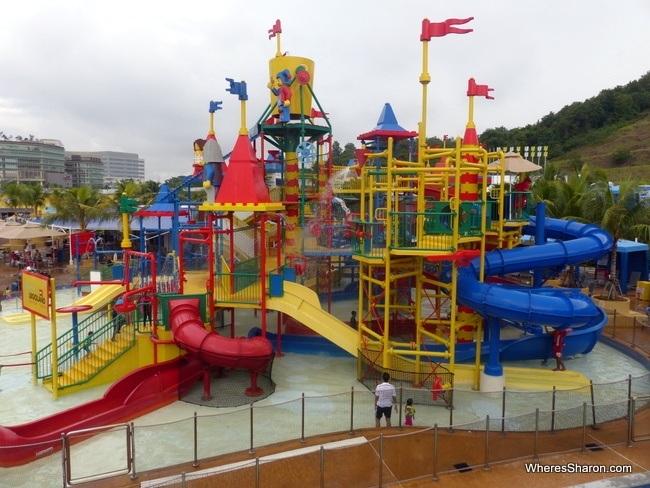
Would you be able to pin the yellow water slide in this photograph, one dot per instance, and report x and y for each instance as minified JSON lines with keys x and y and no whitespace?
{"x":302,"y":304}
{"x":96,"y":299}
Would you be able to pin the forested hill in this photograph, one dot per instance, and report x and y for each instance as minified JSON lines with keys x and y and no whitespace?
{"x":610,"y":131}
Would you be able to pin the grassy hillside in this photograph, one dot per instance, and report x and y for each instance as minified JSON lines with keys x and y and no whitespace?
{"x":634,"y":138}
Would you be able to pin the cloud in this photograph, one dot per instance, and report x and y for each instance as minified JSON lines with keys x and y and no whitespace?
{"x":136,"y":77}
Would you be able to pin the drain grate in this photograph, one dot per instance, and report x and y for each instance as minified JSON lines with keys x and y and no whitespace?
{"x":462,"y":467}
{"x":593,"y":447}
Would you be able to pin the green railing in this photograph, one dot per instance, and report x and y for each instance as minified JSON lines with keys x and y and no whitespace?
{"x":369,"y":238}
{"x":516,"y":206}
{"x":246,"y":285}
{"x":470,"y":219}
{"x":79,"y":354}
{"x":246,"y":273}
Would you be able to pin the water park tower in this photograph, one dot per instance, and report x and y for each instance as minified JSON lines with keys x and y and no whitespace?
{"x":289,"y":124}
{"x":436,"y":241}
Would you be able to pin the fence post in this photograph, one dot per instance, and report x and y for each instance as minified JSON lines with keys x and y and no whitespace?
{"x":486,"y":466}
{"x":401,"y":397}
{"x":630,"y":421}
{"x":322,"y":466}
{"x":503,"y":411}
{"x":553,"y":410}
{"x":451,"y":412}
{"x":536,"y":447}
{"x":584,"y":427}
{"x":134,"y":474}
{"x":629,"y":390}
{"x":196,"y":441}
{"x":434,"y":477}
{"x":381,"y":459}
{"x":65,"y":458}
{"x":614,"y":326}
{"x":352,"y":411}
{"x":302,"y":419}
{"x":594,"y":425}
{"x":257,"y":472}
{"x":251,"y":450}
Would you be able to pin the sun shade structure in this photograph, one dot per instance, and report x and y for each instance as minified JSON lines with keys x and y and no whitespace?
{"x":28,"y":231}
{"x":514,"y":163}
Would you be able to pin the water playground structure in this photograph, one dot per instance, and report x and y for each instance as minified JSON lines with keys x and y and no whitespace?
{"x":427,"y":245}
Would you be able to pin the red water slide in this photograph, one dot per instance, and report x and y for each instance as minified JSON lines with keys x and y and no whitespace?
{"x":140,"y":392}
{"x":190,"y":334}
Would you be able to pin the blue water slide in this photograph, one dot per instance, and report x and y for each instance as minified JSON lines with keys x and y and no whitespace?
{"x":550,"y":307}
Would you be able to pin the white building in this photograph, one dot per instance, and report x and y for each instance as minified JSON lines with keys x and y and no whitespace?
{"x":118,"y":165}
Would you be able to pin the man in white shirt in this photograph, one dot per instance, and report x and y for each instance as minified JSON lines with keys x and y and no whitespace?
{"x":385,"y":398}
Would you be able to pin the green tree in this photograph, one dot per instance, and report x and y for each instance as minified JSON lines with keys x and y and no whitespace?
{"x":337,"y":160}
{"x":348,"y":154}
{"x":621,"y":156}
{"x":622,"y":214}
{"x":11,"y":194}
{"x":148,"y":191}
{"x":79,"y":206}
{"x":563,"y":192}
{"x":35,"y":196}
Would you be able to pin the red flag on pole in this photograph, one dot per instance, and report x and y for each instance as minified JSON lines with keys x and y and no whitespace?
{"x":440,"y":29}
{"x":276,"y":29}
{"x":474,"y":90}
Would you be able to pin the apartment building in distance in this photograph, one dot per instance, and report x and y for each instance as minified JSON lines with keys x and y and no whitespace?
{"x":31,"y":160}
{"x":46,"y":162}
{"x":116,"y":165}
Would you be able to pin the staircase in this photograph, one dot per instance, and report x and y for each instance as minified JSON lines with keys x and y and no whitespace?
{"x":104,"y":351}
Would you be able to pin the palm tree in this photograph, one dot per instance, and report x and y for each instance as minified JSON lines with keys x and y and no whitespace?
{"x":562,"y":192}
{"x":79,"y":206}
{"x":143,"y":191}
{"x":621,"y":214}
{"x":35,"y":197}
{"x":11,"y":194}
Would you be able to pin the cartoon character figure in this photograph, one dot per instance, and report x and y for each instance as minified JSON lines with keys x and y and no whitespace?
{"x":198,"y":156}
{"x":281,"y":87}
{"x":212,"y":169}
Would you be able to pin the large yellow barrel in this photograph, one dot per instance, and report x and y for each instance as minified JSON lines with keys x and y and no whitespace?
{"x":643,"y":290}
{"x":294,"y":64}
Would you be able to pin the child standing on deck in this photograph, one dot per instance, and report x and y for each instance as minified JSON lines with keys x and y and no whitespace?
{"x":409,"y":412}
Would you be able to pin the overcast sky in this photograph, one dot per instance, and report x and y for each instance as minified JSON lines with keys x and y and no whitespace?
{"x":138,"y":76}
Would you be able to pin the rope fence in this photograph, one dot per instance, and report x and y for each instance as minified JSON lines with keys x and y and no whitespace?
{"x":501,"y":420}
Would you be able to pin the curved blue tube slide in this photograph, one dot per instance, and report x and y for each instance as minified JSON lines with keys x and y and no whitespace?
{"x":550,"y":307}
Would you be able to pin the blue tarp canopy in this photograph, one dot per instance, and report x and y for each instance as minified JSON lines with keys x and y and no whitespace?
{"x":632,"y":258}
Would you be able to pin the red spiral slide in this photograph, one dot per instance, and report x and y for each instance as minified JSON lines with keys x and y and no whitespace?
{"x":189,"y":334}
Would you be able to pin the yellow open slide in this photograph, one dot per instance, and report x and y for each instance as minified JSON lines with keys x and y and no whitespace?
{"x":96,"y":299}
{"x":302,"y":304}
